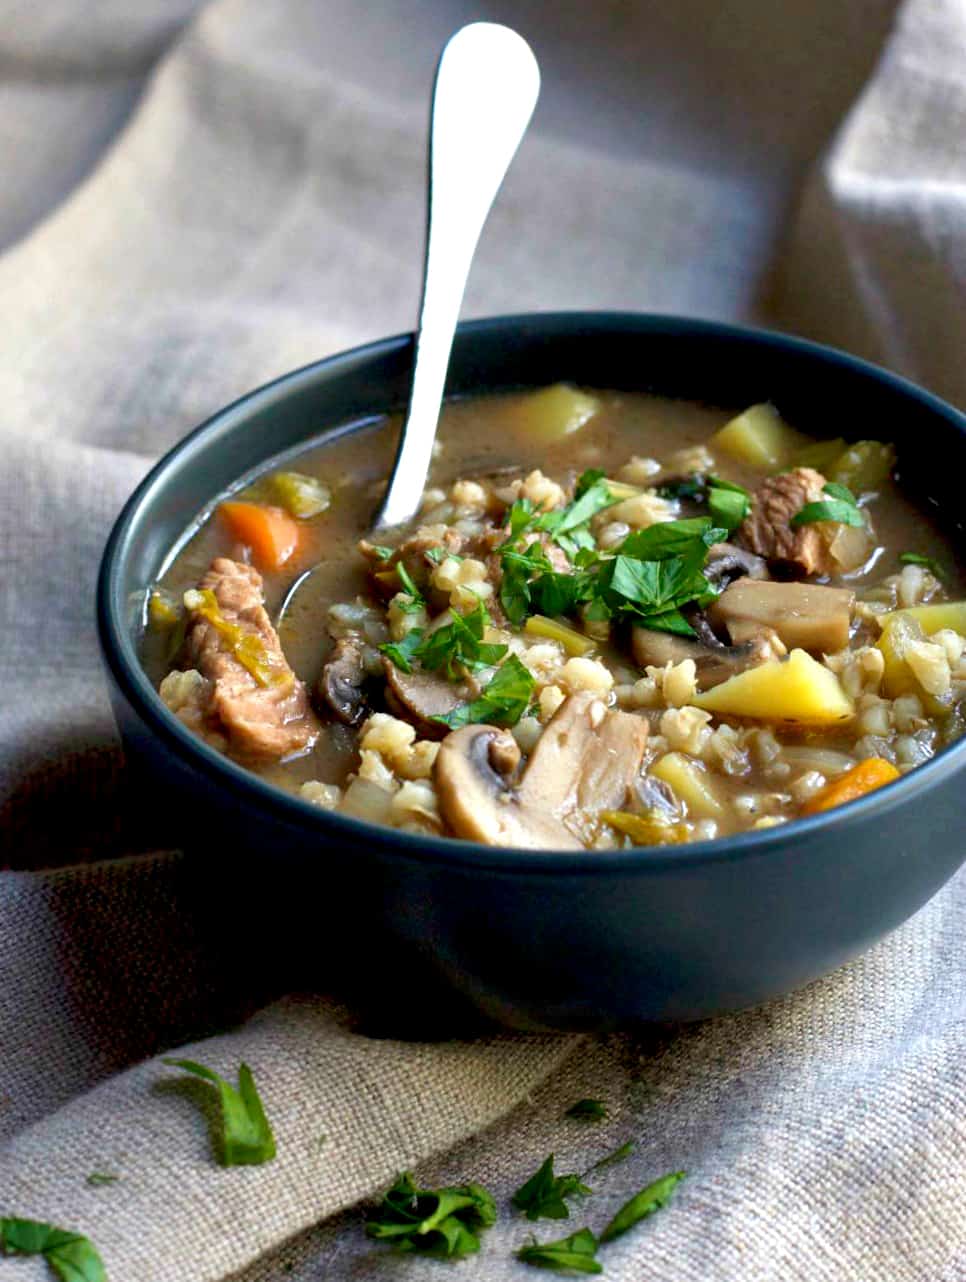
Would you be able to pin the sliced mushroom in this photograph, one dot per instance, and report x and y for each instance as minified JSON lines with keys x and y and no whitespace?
{"x":418,"y":697}
{"x":585,"y":761}
{"x":713,"y":660}
{"x":804,"y":615}
{"x":341,"y":680}
{"x":727,"y":562}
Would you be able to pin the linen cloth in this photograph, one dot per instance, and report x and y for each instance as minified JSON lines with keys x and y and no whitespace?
{"x":198,"y":197}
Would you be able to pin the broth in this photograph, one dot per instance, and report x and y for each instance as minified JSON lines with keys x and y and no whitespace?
{"x":755,"y":771}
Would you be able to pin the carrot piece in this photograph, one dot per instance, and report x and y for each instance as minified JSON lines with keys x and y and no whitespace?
{"x":270,"y":532}
{"x":865,"y":777}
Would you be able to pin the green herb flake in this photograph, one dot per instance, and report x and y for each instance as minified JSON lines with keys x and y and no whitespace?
{"x":503,"y":702}
{"x":403,"y":652}
{"x":728,"y":503}
{"x":458,"y":647}
{"x":409,"y":587}
{"x":246,"y":1137}
{"x":694,"y":487}
{"x":574,"y":1254}
{"x":642,"y":1204}
{"x":436,"y":556}
{"x":70,"y":1256}
{"x":544,"y":1194}
{"x":840,"y":507}
{"x":927,"y":562}
{"x":445,"y":1223}
{"x":588,"y":1110}
{"x":619,"y":1154}
{"x":98,"y":1179}
{"x":381,"y":552}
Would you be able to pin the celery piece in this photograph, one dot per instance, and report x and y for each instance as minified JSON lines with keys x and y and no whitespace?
{"x":163,"y":609}
{"x":300,"y":495}
{"x":650,"y":829}
{"x":268,"y":668}
{"x":863,"y":466}
{"x":574,"y":642}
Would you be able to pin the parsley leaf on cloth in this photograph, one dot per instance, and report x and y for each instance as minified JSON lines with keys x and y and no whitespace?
{"x":618,"y":1155}
{"x":588,"y":1110}
{"x":246,"y":1137}
{"x":574,"y":1254}
{"x":502,"y":703}
{"x":544,"y":1194}
{"x":840,"y":506}
{"x":641,"y":1205}
{"x":443,"y":1222}
{"x":71,"y":1256}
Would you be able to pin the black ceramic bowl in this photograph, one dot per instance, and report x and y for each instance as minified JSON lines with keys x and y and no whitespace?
{"x":538,"y":939}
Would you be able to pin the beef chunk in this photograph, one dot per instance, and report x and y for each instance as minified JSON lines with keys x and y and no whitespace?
{"x":261,"y":721}
{"x":790,"y":553}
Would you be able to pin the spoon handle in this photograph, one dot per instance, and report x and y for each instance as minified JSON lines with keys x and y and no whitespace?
{"x":486,"y":89}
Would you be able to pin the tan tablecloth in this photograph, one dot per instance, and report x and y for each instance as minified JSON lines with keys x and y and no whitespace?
{"x":198,"y":197}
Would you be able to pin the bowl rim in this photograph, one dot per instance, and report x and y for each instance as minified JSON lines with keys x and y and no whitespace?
{"x":123,"y":663}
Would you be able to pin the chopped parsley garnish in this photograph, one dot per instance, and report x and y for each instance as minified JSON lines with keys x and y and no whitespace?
{"x":567,"y":526}
{"x":688,"y":487}
{"x":416,"y":601}
{"x":544,"y":1194}
{"x":927,"y":562}
{"x":503,"y":701}
{"x":840,"y":507}
{"x":403,"y":652}
{"x":642,"y":1204}
{"x":588,"y":1110}
{"x":381,"y":552}
{"x":70,"y":1256}
{"x":728,"y":503}
{"x":246,"y":1138}
{"x":458,"y":647}
{"x":438,"y":555}
{"x":454,"y":648}
{"x":446,"y":1222}
{"x":654,"y":573}
{"x":574,"y":1254}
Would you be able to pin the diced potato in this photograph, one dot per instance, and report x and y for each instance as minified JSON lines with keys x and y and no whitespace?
{"x":555,"y":411}
{"x":797,"y":690}
{"x":900,"y":628}
{"x":804,"y":615}
{"x":760,"y":437}
{"x":690,"y":783}
{"x":932,"y":618}
{"x":574,"y":642}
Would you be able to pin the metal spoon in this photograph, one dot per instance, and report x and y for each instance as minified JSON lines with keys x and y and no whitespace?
{"x":486,"y":88}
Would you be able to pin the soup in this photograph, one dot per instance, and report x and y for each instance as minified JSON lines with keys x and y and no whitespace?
{"x":618,"y":620}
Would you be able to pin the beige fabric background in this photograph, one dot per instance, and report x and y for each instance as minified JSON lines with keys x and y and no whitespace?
{"x":198,"y":197}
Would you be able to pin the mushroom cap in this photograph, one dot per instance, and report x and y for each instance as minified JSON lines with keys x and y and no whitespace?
{"x":585,"y":761}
